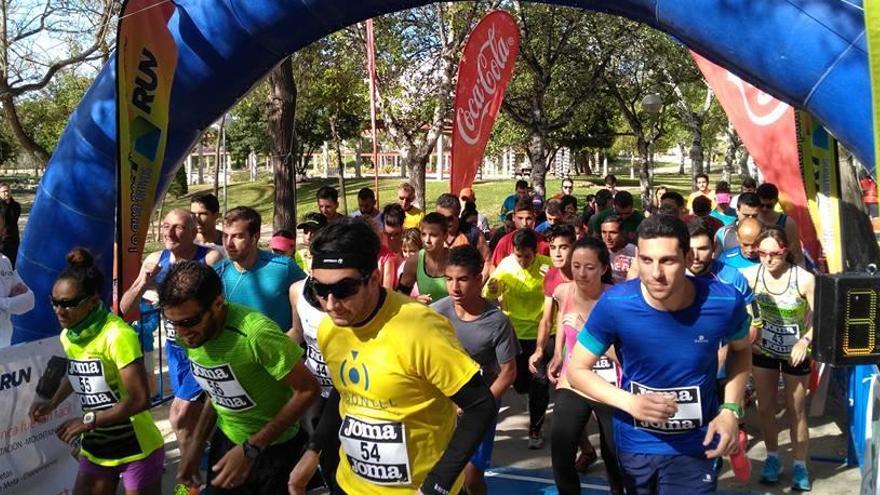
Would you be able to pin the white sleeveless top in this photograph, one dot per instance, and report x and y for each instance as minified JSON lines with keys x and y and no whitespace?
{"x":310,"y":317}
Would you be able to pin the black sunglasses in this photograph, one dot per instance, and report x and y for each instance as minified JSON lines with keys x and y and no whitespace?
{"x":187,"y":322}
{"x":68,"y":303}
{"x":342,"y":289}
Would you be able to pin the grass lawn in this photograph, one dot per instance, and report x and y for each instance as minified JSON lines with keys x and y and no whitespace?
{"x":490,"y":194}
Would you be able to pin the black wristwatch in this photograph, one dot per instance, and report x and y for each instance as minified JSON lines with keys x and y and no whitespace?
{"x":251,"y":451}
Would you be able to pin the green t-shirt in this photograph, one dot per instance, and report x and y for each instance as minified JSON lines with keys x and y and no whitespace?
{"x":521,"y":291}
{"x":242,"y":368}
{"x":93,"y":369}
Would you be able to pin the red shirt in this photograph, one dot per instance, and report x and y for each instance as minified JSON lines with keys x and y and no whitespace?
{"x":505,"y":248}
{"x":869,"y":191}
{"x":552,"y":280}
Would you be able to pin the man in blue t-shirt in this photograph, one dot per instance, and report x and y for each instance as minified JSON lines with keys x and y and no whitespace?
{"x":253,"y":277}
{"x":745,"y":254}
{"x":669,"y":425}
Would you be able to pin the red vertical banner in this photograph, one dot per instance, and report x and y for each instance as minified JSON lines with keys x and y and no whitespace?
{"x":767,"y":129}
{"x":146,"y":59}
{"x":486,"y":67}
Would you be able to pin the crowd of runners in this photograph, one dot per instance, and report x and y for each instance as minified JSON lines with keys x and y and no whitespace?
{"x":369,"y":354}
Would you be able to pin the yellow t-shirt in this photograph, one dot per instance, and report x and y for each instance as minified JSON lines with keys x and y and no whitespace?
{"x":93,"y":370}
{"x":413,"y":218}
{"x":394,"y":376}
{"x":521,"y":292}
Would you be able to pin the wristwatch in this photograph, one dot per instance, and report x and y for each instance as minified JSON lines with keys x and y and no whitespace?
{"x":89,"y":420}
{"x":251,"y":451}
{"x":733,"y":407}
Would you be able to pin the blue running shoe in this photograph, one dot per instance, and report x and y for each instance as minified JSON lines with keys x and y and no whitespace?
{"x":772,"y":470}
{"x":800,"y":479}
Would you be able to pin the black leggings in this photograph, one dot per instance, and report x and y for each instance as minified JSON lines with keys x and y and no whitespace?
{"x":536,"y":385}
{"x":570,"y":416}
{"x":329,"y":459}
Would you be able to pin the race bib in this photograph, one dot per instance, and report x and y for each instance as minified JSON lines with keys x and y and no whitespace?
{"x":779,"y":339}
{"x":606,"y":368}
{"x":89,"y":383}
{"x":376,"y":451}
{"x":315,"y":363}
{"x":223,"y":387}
{"x":690,"y":409}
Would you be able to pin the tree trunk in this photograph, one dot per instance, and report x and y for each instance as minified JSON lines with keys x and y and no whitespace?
{"x":538,"y":159}
{"x":696,"y":151}
{"x":281,"y":108}
{"x":743,"y":162}
{"x":414,"y":166}
{"x":357,"y":158}
{"x":644,"y":171}
{"x":217,"y":157}
{"x":340,"y":163}
{"x":730,"y":156}
{"x":681,"y":161}
{"x":37,"y":153}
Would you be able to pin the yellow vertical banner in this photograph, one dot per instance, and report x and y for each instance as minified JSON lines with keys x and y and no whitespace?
{"x":146,"y":59}
{"x":872,"y":34}
{"x":820,"y":168}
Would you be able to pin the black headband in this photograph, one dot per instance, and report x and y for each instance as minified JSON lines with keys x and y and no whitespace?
{"x":343,"y":260}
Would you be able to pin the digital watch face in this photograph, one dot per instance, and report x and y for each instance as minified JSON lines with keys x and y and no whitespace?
{"x":845,"y":320}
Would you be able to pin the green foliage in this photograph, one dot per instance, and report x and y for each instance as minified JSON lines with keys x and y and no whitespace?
{"x":45,"y":113}
{"x":178,"y":186}
{"x":246,"y":129}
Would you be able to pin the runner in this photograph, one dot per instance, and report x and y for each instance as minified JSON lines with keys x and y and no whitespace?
{"x":117,"y":435}
{"x":784,"y":297}
{"x":749,"y":185}
{"x":625,"y":210}
{"x":311,"y":223}
{"x":745,"y":253}
{"x":667,"y":328}
{"x":395,"y":364}
{"x":328,"y":203}
{"x":487,"y":335}
{"x":392,"y":227}
{"x":561,"y":239}
{"x":252,"y":277}
{"x":622,"y":252}
{"x":258,"y":386}
{"x":206,"y":208}
{"x":178,"y":236}
{"x":467,"y":195}
{"x":769,"y":195}
{"x":701,"y":185}
{"x":424,"y":272}
{"x":306,"y":315}
{"x":16,"y":299}
{"x":509,"y":204}
{"x":406,"y":196}
{"x":702,"y":264}
{"x":366,"y":199}
{"x":523,"y":218}
{"x":749,"y":206}
{"x":591,"y":269}
{"x":460,"y":234}
{"x":518,"y":281}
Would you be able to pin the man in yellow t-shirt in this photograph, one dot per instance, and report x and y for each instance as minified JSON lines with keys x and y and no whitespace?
{"x":397,"y":384}
{"x":518,"y":281}
{"x":702,"y":183}
{"x":406,"y":195}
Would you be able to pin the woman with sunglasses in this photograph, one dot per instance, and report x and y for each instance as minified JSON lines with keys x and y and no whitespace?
{"x":117,"y":435}
{"x":591,"y":275}
{"x":783,"y":294}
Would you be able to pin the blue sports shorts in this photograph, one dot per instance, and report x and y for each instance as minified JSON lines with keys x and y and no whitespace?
{"x":183,"y":383}
{"x":667,"y":474}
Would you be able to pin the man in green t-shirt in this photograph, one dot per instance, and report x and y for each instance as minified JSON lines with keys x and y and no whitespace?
{"x":625,"y":210}
{"x":255,"y":378}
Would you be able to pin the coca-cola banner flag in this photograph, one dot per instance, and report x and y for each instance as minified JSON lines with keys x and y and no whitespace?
{"x":767,"y":129}
{"x":486,"y":67}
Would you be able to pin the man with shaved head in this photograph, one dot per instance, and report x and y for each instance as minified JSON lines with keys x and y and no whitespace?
{"x":179,"y":231}
{"x":746,"y":253}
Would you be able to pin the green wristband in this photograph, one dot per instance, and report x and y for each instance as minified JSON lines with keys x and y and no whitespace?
{"x":735,"y":408}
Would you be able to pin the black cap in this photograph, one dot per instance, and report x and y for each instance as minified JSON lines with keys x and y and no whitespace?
{"x":313,"y":220}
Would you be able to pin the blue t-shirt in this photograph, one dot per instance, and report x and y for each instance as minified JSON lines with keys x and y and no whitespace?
{"x":733,"y":258}
{"x":542,"y":227}
{"x":263,"y":287}
{"x":725,"y":219}
{"x":670,"y":352}
{"x":731,"y":276}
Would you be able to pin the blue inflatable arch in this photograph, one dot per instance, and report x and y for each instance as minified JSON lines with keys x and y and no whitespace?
{"x":809,"y":53}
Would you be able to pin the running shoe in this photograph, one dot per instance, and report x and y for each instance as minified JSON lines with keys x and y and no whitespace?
{"x":800,"y":479}
{"x":536,"y":439}
{"x":772,"y":470}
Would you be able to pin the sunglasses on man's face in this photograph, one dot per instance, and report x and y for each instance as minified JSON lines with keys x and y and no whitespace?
{"x":188,"y":322}
{"x":68,"y":303}
{"x":342,"y":289}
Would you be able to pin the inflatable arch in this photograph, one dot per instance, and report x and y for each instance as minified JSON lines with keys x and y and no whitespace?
{"x":809,"y":53}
